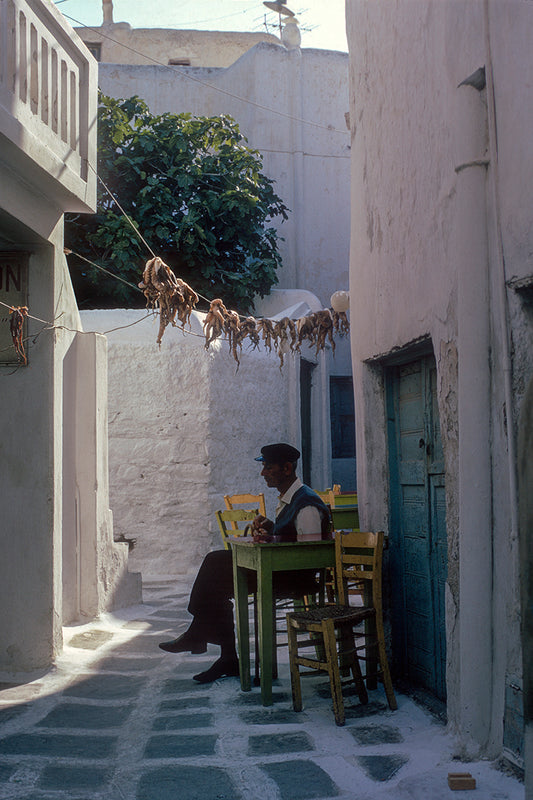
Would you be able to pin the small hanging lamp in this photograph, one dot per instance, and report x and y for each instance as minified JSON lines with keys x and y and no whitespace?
{"x":340,"y":301}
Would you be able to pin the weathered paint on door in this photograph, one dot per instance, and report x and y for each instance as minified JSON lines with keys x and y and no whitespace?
{"x":418,"y":543}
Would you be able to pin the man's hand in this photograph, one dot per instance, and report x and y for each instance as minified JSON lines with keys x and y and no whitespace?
{"x":262,"y":529}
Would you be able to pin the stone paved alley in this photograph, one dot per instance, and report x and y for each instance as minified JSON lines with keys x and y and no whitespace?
{"x":118,"y":719}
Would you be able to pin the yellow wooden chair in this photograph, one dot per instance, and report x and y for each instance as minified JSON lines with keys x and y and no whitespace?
{"x":326,"y":495}
{"x":340,"y":499}
{"x":235,"y":519}
{"x":246,"y":499}
{"x":229,"y":522}
{"x":358,"y":559}
{"x":344,"y":510}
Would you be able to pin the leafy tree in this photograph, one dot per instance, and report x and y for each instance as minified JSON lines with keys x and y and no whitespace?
{"x":197,"y":195}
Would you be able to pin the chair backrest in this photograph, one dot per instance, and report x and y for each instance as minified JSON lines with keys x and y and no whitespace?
{"x":226,"y":518}
{"x":343,"y":499}
{"x":251,"y":501}
{"x":358,"y":562}
{"x":327,"y":496}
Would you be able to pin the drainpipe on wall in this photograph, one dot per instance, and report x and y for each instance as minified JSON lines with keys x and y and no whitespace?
{"x":501,"y":293}
{"x":298,"y":244}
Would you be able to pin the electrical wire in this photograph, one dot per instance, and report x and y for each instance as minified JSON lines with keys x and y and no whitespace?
{"x":219,"y":89}
{"x":108,"y":190}
{"x":142,"y":239}
{"x":67,"y":251}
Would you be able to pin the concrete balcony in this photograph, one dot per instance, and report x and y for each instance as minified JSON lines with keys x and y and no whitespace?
{"x":48,"y":102}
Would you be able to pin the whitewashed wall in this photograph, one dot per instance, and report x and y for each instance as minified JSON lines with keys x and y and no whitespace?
{"x":122,"y":44}
{"x":434,"y":193}
{"x":184,"y":429}
{"x":47,"y":161}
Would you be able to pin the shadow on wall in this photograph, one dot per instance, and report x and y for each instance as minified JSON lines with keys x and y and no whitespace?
{"x":525,"y":482}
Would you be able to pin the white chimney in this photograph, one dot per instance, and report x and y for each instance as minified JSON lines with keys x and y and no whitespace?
{"x":108,"y":11}
{"x":290,"y":35}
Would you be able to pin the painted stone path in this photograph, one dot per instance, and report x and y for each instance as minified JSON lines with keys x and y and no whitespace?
{"x":118,"y":719}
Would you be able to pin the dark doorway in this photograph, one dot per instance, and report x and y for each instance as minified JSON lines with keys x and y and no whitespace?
{"x":306,"y":382}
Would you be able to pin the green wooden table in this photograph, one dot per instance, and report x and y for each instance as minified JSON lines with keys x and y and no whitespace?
{"x":264,"y":559}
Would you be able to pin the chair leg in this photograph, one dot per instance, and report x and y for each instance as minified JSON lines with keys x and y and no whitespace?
{"x":274,"y":642}
{"x":356,"y":672}
{"x":296,"y":686}
{"x":346,"y":642}
{"x":384,"y":664}
{"x":330,"y":648}
{"x":256,"y":644}
{"x":372,"y":661}
{"x":329,"y":580}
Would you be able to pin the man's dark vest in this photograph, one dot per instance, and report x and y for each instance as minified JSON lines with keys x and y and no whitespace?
{"x":285,"y":524}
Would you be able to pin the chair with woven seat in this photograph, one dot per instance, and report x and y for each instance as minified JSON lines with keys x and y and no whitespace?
{"x":330,"y":629}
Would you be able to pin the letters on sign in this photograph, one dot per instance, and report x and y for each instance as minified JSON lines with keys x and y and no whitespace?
{"x":10,"y":278}
{"x":13,"y":294}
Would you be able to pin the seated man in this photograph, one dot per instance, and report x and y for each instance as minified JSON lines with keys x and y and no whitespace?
{"x":300,"y":515}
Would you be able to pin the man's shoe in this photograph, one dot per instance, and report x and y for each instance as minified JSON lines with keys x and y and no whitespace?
{"x":220,"y":669}
{"x":184,"y":644}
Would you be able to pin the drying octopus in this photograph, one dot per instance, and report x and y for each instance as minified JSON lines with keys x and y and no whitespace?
{"x":324,"y":329}
{"x":16,"y":327}
{"x":232,"y":324}
{"x":220,"y":320}
{"x":306,"y":330}
{"x":316,"y":328}
{"x":214,"y":321}
{"x":286,"y":337}
{"x":266,"y":328}
{"x":173,"y":296}
{"x":248,"y":330}
{"x":340,"y":322}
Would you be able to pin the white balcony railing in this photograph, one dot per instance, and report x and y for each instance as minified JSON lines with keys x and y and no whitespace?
{"x":48,"y":97}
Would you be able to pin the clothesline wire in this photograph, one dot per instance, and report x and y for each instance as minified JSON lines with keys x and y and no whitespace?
{"x":68,"y":251}
{"x":143,"y":240}
{"x":53,"y":325}
{"x":204,"y":83}
{"x":137,"y":231}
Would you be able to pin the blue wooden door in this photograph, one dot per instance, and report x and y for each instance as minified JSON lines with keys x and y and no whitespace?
{"x":418,"y":542}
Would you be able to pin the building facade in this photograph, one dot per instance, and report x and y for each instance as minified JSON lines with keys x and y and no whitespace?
{"x":59,"y":561}
{"x":441,"y":275}
{"x":119,"y":43}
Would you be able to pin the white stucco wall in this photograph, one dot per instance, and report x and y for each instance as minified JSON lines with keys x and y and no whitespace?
{"x":47,"y":150}
{"x":184,"y":428}
{"x":122,"y":44}
{"x":425,"y":263}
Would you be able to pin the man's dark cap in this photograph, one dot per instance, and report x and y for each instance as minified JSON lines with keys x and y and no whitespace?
{"x":280,"y":453}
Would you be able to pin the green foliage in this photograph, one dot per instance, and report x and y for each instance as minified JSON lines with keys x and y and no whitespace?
{"x":197,"y":195}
